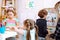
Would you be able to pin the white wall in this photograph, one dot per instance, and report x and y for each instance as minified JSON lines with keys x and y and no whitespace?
{"x":25,"y":12}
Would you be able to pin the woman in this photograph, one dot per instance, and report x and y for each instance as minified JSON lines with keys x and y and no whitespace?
{"x":57,"y":31}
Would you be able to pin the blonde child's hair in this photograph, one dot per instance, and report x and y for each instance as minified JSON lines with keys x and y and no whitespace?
{"x":13,"y":11}
{"x":30,"y":24}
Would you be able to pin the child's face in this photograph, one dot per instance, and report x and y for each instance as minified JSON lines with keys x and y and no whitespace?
{"x":10,"y":15}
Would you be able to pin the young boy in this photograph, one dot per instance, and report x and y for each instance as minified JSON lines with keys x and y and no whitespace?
{"x":42,"y":24}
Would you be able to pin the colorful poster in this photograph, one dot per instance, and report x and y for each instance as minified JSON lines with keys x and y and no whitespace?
{"x":29,"y":3}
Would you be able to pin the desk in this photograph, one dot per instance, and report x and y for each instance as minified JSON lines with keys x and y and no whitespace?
{"x":8,"y":34}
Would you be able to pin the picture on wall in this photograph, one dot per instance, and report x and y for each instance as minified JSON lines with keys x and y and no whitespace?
{"x":9,"y":3}
{"x":51,"y":17}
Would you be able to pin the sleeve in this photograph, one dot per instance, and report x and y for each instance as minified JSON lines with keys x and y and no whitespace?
{"x":16,"y":20}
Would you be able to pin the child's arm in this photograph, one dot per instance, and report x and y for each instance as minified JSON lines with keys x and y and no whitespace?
{"x":24,"y":28}
{"x":17,"y":23}
{"x":20,"y":31}
{"x":18,"y":26}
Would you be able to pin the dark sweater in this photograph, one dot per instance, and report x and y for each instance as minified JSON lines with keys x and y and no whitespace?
{"x":42,"y":27}
{"x":57,"y":31}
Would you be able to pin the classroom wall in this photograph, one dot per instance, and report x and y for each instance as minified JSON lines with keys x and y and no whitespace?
{"x":24,"y":11}
{"x":0,"y":6}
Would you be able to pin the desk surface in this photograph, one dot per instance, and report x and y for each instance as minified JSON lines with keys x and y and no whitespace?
{"x":8,"y":34}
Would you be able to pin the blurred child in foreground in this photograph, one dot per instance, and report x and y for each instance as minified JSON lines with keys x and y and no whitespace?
{"x":42,"y":24}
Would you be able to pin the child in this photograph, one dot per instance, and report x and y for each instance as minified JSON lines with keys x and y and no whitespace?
{"x":42,"y":24}
{"x":30,"y":31}
{"x":11,"y":21}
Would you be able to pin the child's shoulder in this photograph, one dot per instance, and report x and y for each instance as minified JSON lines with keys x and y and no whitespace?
{"x":16,"y":19}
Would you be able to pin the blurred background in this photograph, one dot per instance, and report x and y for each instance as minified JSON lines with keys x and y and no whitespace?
{"x":25,"y":8}
{"x":29,"y":9}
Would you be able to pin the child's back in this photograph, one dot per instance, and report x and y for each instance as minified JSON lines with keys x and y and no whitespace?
{"x":42,"y":24}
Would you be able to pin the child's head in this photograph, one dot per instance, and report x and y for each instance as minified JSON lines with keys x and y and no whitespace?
{"x":11,"y":13}
{"x":30,"y":24}
{"x":42,"y":13}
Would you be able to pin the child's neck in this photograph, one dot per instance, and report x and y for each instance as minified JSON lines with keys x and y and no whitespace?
{"x":42,"y":18}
